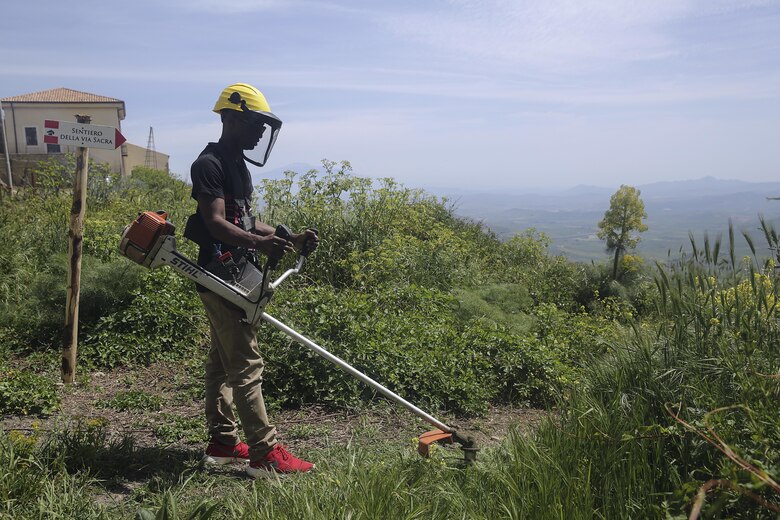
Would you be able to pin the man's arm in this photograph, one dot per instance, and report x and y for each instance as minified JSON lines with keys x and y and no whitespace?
{"x":212,"y":209}
{"x":261,"y":228}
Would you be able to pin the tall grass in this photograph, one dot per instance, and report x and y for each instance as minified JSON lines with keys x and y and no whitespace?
{"x":30,"y":488}
{"x":682,"y":418}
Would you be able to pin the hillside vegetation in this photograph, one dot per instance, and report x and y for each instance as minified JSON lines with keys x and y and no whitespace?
{"x":664,"y":386}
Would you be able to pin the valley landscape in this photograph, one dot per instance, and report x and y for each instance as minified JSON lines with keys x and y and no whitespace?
{"x":674,"y":209}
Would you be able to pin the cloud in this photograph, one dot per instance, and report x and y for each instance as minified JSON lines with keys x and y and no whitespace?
{"x":234,"y":6}
{"x":558,"y":35}
{"x":257,"y":6}
{"x":443,"y":87}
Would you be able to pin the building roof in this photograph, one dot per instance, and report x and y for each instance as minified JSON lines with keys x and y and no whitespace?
{"x":61,"y":95}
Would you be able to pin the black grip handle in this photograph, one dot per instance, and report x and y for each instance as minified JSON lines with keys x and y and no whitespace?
{"x":284,"y":232}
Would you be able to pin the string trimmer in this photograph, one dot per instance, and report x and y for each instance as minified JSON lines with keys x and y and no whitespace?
{"x":149,"y":241}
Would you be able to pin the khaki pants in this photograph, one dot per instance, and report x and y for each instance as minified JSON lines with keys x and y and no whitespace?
{"x":234,"y":371}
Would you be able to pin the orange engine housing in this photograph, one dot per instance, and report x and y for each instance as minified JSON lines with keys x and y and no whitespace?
{"x":141,"y":236}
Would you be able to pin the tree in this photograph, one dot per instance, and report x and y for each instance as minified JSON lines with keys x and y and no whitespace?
{"x":622,"y":222}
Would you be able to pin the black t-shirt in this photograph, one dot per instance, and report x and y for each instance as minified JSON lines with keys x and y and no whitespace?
{"x":214,"y":175}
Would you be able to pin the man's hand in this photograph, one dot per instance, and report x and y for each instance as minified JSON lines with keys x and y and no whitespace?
{"x":308,"y":238}
{"x":272,"y":245}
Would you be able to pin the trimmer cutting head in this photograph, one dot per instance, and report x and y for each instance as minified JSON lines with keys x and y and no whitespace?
{"x":466,"y":444}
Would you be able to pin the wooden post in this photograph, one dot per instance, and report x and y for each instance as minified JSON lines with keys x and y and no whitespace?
{"x":7,"y":153}
{"x":75,"y":238}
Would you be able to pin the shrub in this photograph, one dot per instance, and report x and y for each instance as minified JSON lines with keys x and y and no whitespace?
{"x":408,"y":340}
{"x":549,"y":279}
{"x":26,"y":393}
{"x":635,"y":292}
{"x":33,"y":263}
{"x":507,"y":305}
{"x":575,"y":337}
{"x":378,"y":232}
{"x":164,"y":319}
{"x":37,"y":314}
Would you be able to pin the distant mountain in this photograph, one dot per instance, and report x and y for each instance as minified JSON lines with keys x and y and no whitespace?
{"x":584,"y":190}
{"x":706,"y":187}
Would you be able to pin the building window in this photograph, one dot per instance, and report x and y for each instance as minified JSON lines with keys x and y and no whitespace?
{"x":31,"y":134}
{"x":53,"y":148}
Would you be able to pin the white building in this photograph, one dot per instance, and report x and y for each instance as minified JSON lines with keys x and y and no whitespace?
{"x":24,"y":116}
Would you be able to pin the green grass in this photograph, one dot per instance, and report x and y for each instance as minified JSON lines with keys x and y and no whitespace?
{"x":381,"y":481}
{"x":170,"y":428}
{"x":133,"y":400}
{"x":307,"y":431}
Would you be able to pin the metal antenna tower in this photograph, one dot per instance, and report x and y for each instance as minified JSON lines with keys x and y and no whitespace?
{"x":150,"y":160}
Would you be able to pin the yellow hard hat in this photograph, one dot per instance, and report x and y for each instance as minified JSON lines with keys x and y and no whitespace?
{"x":251,"y":103}
{"x":231,"y":99}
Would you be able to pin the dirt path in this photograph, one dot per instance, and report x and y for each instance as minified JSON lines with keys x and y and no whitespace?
{"x":162,"y":406}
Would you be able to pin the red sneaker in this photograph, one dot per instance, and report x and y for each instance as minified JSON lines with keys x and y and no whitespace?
{"x":217,"y":453}
{"x":278,"y":461}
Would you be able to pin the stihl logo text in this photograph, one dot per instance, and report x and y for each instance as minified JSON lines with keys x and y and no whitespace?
{"x":184,"y":266}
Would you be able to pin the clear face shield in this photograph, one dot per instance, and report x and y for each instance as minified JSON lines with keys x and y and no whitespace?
{"x":262,"y":129}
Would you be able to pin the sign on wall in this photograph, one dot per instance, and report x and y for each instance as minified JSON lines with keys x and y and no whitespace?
{"x":77,"y":134}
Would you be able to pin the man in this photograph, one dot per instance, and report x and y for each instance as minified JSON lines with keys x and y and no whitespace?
{"x":222,"y":186}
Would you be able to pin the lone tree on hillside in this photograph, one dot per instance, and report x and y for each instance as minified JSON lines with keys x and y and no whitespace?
{"x":622,"y":222}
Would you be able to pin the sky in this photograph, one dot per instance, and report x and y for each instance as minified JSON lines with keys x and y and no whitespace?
{"x":457,"y":94}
